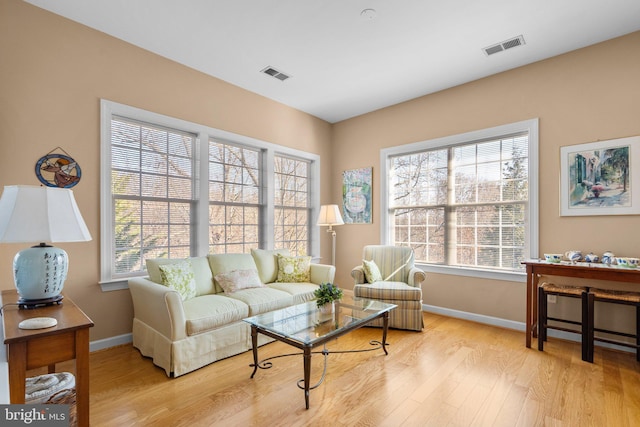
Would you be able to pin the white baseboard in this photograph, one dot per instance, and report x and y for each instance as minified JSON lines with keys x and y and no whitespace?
{"x":510,"y":324}
{"x":110,"y":342}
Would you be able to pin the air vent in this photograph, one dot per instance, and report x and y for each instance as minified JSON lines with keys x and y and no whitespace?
{"x":507,"y":44}
{"x":275,"y":73}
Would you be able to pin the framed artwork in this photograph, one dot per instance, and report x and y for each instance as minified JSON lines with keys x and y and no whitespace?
{"x":600,"y":178}
{"x":58,"y":170}
{"x":356,"y":196}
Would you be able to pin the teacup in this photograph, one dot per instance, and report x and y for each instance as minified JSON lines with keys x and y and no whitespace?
{"x":608,"y":257}
{"x":573,"y":255}
{"x":622,"y":261}
{"x":632,"y":262}
{"x":553,"y":257}
{"x":591,"y":257}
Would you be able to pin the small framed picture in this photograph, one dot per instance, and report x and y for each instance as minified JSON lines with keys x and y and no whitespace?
{"x":600,"y":178}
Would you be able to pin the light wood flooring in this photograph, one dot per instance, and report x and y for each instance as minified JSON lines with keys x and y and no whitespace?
{"x":454,"y":373}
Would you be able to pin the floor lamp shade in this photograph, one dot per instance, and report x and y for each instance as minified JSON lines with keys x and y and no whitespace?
{"x":31,"y":214}
{"x":330,"y":215}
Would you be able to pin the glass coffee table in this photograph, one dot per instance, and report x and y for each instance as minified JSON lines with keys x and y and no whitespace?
{"x":305,"y":327}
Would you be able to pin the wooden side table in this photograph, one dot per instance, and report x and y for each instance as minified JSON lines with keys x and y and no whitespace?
{"x":31,"y":349}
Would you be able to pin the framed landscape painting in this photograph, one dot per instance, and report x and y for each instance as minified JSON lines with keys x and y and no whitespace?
{"x":600,"y":178}
{"x":356,"y":196}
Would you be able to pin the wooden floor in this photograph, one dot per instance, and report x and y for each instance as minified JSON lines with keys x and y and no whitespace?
{"x":454,"y":373}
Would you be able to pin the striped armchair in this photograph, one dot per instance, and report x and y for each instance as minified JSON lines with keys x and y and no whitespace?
{"x":401,"y":284}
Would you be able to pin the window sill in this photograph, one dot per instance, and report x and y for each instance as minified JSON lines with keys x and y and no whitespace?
{"x":114,"y":285}
{"x":509,"y":276}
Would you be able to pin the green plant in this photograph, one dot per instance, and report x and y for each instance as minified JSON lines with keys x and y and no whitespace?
{"x":326,"y":293}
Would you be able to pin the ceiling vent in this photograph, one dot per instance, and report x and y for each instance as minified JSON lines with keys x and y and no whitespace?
{"x":507,"y":44}
{"x":275,"y":73}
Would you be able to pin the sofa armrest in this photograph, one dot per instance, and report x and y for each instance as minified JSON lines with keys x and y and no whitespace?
{"x":416,"y":277}
{"x":358,"y":275}
{"x":159,"y":307}
{"x":322,"y":273}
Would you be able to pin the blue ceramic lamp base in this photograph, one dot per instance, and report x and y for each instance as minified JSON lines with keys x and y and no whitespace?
{"x":39,"y":273}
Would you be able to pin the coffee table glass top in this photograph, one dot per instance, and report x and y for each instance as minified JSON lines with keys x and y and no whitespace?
{"x":306,"y":324}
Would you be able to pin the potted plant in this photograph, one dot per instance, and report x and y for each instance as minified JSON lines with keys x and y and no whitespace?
{"x":326,"y":294}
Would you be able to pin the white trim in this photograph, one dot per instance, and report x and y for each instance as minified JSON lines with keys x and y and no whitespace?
{"x":203,"y":134}
{"x":511,"y":324}
{"x":110,"y":342}
{"x":509,"y":276}
{"x":531,"y":227}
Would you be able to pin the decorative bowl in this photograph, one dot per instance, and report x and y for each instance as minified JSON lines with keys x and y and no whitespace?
{"x":555,"y":258}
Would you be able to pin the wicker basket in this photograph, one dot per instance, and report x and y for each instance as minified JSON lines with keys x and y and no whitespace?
{"x":66,"y":397}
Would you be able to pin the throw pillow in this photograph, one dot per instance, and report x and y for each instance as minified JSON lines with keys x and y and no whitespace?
{"x":236,"y":280}
{"x":267,"y":263}
{"x":371,"y":271}
{"x":179,"y":276}
{"x":294,"y":269}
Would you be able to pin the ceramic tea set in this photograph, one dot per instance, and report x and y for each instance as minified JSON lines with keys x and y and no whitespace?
{"x":608,"y":258}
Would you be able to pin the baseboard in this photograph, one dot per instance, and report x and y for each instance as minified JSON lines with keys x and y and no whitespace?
{"x":510,"y":324}
{"x":110,"y":342}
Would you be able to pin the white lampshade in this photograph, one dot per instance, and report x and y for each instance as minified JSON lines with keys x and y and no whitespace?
{"x":329,"y":215}
{"x":30,"y":213}
{"x":40,"y":214}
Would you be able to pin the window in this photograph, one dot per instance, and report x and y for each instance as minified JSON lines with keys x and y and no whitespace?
{"x":292,"y":204}
{"x":152,"y":189}
{"x":172,"y":188}
{"x":466,"y":202}
{"x":234,"y":198}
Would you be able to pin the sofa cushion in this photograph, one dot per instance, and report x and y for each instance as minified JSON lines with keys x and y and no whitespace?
{"x":371,"y":271}
{"x":201,"y":272}
{"x":267,"y":263}
{"x":236,"y":280}
{"x":262,"y":300}
{"x":301,"y":292}
{"x":294,"y":268}
{"x":179,"y":276}
{"x":224,"y":263}
{"x":208,"y":312}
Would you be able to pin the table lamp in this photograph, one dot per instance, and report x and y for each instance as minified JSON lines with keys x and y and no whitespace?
{"x":330,"y":215}
{"x":40,"y":214}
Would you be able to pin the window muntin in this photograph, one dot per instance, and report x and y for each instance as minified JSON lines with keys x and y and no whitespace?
{"x":234,"y":198}
{"x":152,"y":189}
{"x":292,"y":204}
{"x":464,"y":201}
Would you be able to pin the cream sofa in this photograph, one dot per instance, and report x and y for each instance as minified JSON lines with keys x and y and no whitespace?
{"x":181,"y":336}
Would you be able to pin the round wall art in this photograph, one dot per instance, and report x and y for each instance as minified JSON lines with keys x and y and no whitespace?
{"x":58,"y":170}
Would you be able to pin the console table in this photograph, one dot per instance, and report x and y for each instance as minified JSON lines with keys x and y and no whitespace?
{"x":581,"y":270}
{"x":35,"y":348}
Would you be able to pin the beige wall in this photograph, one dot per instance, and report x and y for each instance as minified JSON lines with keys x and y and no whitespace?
{"x":587,"y":95}
{"x":53,"y":73}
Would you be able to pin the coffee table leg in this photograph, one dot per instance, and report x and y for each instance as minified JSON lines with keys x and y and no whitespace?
{"x":385,"y":328}
{"x":254,"y":342}
{"x":307,"y":374}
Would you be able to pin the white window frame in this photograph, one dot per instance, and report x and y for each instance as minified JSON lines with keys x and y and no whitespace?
{"x":108,"y":109}
{"x":531,"y":226}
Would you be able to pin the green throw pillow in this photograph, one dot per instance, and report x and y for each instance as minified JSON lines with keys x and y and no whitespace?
{"x":371,"y":271}
{"x":179,"y":276}
{"x":294,"y":269}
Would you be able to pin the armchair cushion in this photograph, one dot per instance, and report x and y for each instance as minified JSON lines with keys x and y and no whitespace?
{"x":371,"y":271}
{"x":389,"y":291}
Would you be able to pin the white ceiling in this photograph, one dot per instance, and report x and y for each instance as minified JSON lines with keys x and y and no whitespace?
{"x":342,"y":64}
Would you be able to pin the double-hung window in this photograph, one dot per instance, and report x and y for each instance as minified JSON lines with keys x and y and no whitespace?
{"x":466,"y":204}
{"x":175,"y":189}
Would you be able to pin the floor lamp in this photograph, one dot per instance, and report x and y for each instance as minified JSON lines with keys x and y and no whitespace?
{"x":330,"y":216}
